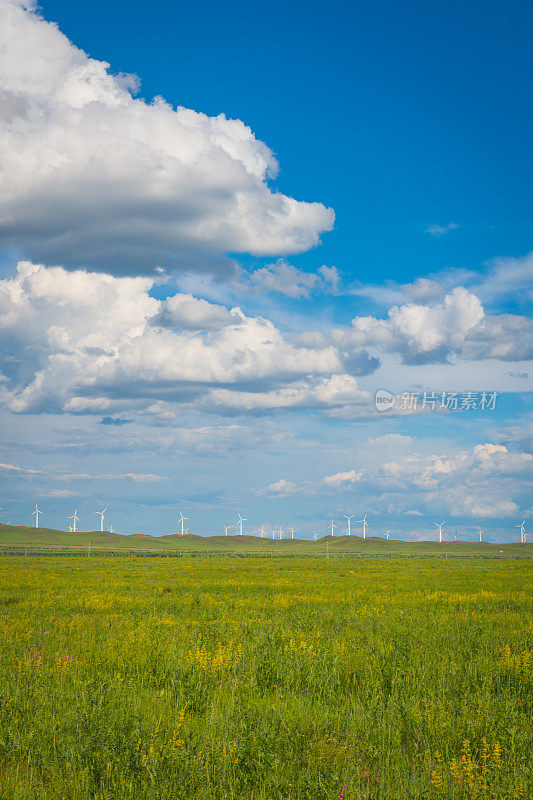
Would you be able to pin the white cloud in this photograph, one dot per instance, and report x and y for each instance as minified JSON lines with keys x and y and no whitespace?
{"x":432,"y":333}
{"x":504,"y":277}
{"x":83,"y":476}
{"x":340,"y":479}
{"x":284,"y":278}
{"x":485,"y":481}
{"x":320,"y":393}
{"x":14,"y":468}
{"x":390,"y":439}
{"x":60,"y":493}
{"x":424,"y":290}
{"x":191,"y":313}
{"x":92,"y":176}
{"x":90,"y":342}
{"x":280,"y":488}
{"x":474,"y":482}
{"x":441,"y":230}
{"x":484,"y":461}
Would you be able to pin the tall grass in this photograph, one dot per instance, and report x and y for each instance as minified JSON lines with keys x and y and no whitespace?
{"x":264,"y":679}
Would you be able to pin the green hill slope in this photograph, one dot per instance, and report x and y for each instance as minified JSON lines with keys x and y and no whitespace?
{"x":15,"y":538}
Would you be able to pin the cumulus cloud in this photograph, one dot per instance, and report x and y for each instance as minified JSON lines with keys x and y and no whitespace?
{"x":502,"y":279}
{"x":90,"y":342}
{"x":284,"y":278}
{"x":485,"y":460}
{"x":474,"y":482}
{"x":305,"y":395}
{"x":433,"y":333}
{"x":340,"y":479}
{"x":192,"y":313}
{"x":93,"y":176}
{"x":487,"y":480}
{"x":280,"y":488}
{"x":424,"y":290}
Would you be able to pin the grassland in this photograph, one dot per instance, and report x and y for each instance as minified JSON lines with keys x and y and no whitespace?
{"x":264,"y":679}
{"x":17,"y":540}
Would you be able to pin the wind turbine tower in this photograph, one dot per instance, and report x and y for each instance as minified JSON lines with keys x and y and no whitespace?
{"x":349,"y":525}
{"x":226,"y":528}
{"x":387,"y":534}
{"x":480,"y":534}
{"x":239,"y":523}
{"x":180,"y":520}
{"x":332,"y":525}
{"x":36,"y":515}
{"x":74,"y":519}
{"x":523,"y":535}
{"x":363,"y":522}
{"x":101,"y":514}
{"x":440,"y":526}
{"x":292,"y":532}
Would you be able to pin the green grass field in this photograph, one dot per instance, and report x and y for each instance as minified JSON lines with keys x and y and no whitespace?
{"x":17,"y":539}
{"x":261,"y":679}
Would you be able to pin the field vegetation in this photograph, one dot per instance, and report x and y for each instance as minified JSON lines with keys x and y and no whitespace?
{"x":262,"y":679}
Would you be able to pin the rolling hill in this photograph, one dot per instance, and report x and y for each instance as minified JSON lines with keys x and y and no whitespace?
{"x":18,"y":538}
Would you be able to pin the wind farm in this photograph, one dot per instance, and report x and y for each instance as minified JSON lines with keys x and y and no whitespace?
{"x":255,"y":541}
{"x":14,"y":539}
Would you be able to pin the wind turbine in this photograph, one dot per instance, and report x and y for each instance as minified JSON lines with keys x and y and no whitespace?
{"x":226,"y":528}
{"x":332,"y":525}
{"x":111,"y":529}
{"x":292,"y":532}
{"x":387,"y":534}
{"x":363,"y":522}
{"x":480,"y":533}
{"x":440,"y":526}
{"x":36,"y":515}
{"x":316,"y":534}
{"x":522,"y":531}
{"x":281,"y":532}
{"x":349,"y":526}
{"x":101,"y":515}
{"x":181,"y":520}
{"x":186,"y":530}
{"x":240,"y":521}
{"x":74,"y":519}
{"x":262,"y":531}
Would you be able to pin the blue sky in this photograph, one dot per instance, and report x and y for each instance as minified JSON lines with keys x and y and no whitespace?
{"x":396,"y":115}
{"x":183,"y":329}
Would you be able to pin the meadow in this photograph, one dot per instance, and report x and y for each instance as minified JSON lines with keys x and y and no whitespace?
{"x":259,"y":679}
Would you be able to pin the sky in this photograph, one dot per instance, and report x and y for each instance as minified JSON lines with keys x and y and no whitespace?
{"x":224,"y":229}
